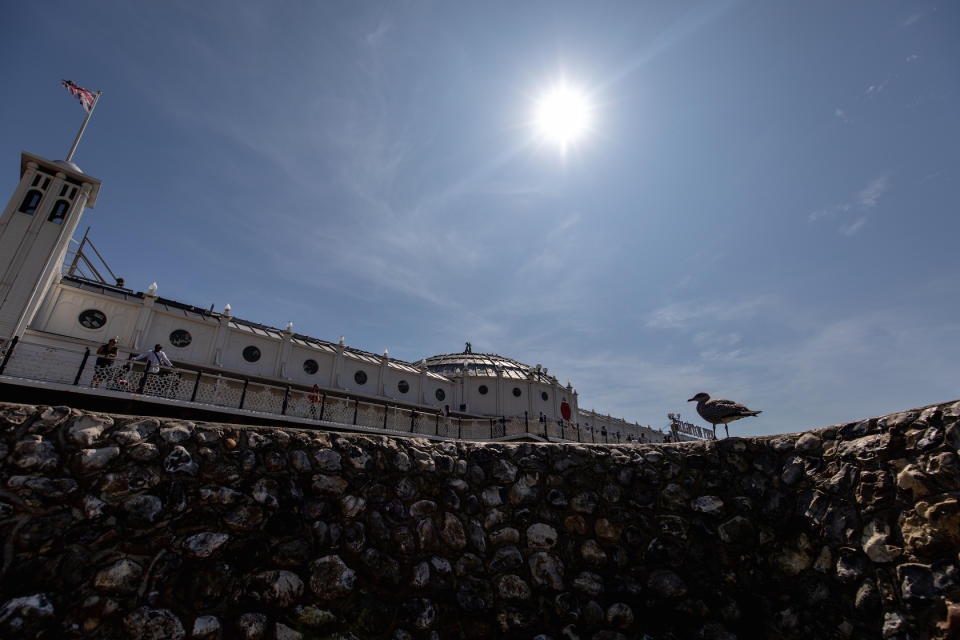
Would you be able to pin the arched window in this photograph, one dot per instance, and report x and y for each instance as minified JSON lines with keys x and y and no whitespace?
{"x":59,"y":212}
{"x":30,"y":202}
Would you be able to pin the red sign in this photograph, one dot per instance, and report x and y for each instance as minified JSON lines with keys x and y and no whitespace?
{"x":565,"y":410}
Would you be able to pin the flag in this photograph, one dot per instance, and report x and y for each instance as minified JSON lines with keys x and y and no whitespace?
{"x":86,"y":98}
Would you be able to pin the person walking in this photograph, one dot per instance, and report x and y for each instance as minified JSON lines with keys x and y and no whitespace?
{"x":154,"y":359}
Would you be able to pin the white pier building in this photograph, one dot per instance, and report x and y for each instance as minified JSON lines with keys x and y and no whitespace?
{"x":48,"y":318}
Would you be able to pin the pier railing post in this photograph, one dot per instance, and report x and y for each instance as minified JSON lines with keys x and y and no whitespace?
{"x":83,"y":363}
{"x":196,"y":386}
{"x":6,"y":356}
{"x":286,"y":399}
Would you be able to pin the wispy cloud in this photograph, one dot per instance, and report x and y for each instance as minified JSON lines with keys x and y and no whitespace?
{"x":875,"y":89}
{"x":864,"y":200}
{"x":850,"y":229}
{"x":718,"y":347}
{"x":681,"y":315}
{"x":375,"y":38}
{"x":914,"y":18}
{"x":869,"y":196}
{"x":840,"y":114}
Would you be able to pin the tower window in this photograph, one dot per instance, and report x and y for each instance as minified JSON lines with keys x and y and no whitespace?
{"x":517,"y":392}
{"x":360,"y":377}
{"x":403,"y":386}
{"x":310,"y":366}
{"x":59,"y":212}
{"x":30,"y":202}
{"x":73,"y":193}
{"x":251,"y":354}
{"x":440,"y":395}
{"x":544,"y":396}
{"x":483,"y":389}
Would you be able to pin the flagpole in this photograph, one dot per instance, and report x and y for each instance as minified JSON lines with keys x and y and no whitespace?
{"x":83,"y":126}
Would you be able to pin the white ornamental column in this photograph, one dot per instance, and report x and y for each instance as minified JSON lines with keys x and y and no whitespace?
{"x":382,"y":374}
{"x":283,"y":353}
{"x":421,"y":383}
{"x":336,"y":367}
{"x":144,"y":316}
{"x":220,"y":337}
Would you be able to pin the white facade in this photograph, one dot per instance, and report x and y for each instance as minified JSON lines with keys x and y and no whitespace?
{"x":39,"y":306}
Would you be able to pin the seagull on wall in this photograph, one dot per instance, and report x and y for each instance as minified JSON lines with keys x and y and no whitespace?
{"x":720,"y":411}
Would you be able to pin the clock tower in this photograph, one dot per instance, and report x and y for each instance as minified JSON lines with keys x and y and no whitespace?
{"x":35,"y":231}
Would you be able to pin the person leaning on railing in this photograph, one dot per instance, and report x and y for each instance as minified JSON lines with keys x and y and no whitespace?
{"x":154,"y":359}
{"x":106,"y":355}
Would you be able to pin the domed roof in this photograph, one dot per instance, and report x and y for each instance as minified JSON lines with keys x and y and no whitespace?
{"x":66,"y":164}
{"x":483,"y":364}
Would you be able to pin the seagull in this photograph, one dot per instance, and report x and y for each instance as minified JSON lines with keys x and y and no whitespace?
{"x":719,"y":411}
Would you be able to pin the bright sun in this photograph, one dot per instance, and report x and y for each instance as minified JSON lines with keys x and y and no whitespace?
{"x":562,"y":116}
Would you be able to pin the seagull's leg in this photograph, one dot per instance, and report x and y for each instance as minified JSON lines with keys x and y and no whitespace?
{"x":727,"y":429}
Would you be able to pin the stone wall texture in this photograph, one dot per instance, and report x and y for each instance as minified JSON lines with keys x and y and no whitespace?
{"x":138,"y":527}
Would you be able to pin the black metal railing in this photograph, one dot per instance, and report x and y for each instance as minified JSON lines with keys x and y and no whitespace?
{"x":231,"y":390}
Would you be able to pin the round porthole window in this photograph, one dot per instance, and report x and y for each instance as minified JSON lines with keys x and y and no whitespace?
{"x":251,"y":354}
{"x":360,"y":377}
{"x":92,"y":319}
{"x":440,"y":395}
{"x":516,"y":391}
{"x":403,"y":386}
{"x":544,"y":396}
{"x":483,"y":389}
{"x":180,"y":338}
{"x":310,"y":366}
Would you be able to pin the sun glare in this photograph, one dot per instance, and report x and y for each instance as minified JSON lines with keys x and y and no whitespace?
{"x":562,"y":116}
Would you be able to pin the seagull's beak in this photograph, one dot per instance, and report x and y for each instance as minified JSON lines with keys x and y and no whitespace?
{"x":691,"y":399}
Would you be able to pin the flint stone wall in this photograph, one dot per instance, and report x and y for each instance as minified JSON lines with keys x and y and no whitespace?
{"x":120,"y":527}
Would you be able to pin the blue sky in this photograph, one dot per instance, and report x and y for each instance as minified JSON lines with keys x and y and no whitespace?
{"x":765,"y":209}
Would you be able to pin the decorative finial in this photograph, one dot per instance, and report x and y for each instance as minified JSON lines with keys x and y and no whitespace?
{"x":386,"y":354}
{"x":468,"y":348}
{"x":289,"y":327}
{"x":226,"y":309}
{"x":152,"y":289}
{"x":341,"y":341}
